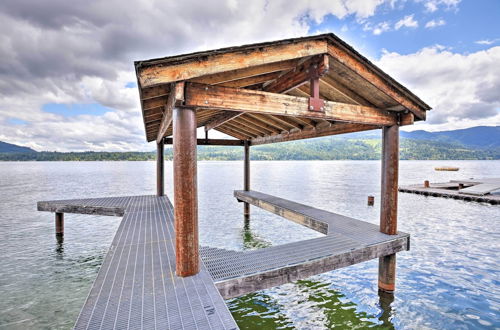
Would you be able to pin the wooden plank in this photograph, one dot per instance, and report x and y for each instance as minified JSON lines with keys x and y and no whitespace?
{"x":152,"y":75}
{"x":299,"y":75}
{"x":221,"y":119}
{"x":240,"y":99}
{"x":345,"y":91}
{"x":260,"y":123}
{"x":338,"y":128}
{"x":269,"y":120}
{"x":362,"y":69}
{"x":222,"y":77}
{"x":249,"y":81}
{"x":176,"y":95}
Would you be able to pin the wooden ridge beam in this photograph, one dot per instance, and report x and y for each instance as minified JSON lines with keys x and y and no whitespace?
{"x":244,"y":100}
{"x":221,"y":119}
{"x":354,"y":64}
{"x":176,"y":95}
{"x":339,"y":128}
{"x":212,"y":142}
{"x":156,"y":74}
{"x":299,"y":75}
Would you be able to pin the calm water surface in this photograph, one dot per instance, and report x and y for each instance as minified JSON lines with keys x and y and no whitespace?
{"x":448,"y":280}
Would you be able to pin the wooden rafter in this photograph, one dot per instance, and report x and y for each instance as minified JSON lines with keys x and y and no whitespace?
{"x":241,"y":130}
{"x":269,"y":120}
{"x":299,"y":75}
{"x":239,"y":99}
{"x":339,"y":128}
{"x":248,"y":123}
{"x":347,"y":59}
{"x":245,"y":82}
{"x":346,"y":92}
{"x":221,"y":119}
{"x":176,"y":94}
{"x":261,"y":123}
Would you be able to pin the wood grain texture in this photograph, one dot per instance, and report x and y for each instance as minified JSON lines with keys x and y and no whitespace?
{"x":152,"y":75}
{"x":239,"y":99}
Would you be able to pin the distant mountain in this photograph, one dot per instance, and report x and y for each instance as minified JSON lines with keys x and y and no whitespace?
{"x":479,"y":136}
{"x":472,"y":143}
{"x":12,"y":148}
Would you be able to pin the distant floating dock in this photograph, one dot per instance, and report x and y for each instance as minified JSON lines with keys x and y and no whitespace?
{"x":474,"y":190}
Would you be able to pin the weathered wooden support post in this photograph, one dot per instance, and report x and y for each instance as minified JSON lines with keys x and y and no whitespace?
{"x":246,"y":179}
{"x":185,"y":192}
{"x":59,"y":224}
{"x":160,"y":169}
{"x":389,"y":203}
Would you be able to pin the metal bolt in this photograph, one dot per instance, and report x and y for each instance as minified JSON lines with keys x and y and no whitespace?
{"x":206,"y":102}
{"x":206,"y":88}
{"x":311,"y":107}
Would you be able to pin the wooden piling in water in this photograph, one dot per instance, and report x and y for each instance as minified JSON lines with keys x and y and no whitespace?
{"x":389,"y":203}
{"x":371,"y":200}
{"x":426,"y":184}
{"x":246,"y":179}
{"x":185,"y":192}
{"x":160,"y":170}
{"x":59,"y":224}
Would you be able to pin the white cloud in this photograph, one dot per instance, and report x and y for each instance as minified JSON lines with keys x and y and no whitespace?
{"x":82,"y":52}
{"x":408,"y":21}
{"x":381,"y":28}
{"x":461,"y":88}
{"x":487,"y":41}
{"x":434,"y":23}
{"x":433,"y":5}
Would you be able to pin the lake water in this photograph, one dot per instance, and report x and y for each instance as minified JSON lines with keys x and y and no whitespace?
{"x":448,"y":280}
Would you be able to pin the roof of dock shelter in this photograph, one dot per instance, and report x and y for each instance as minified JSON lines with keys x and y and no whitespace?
{"x":260,"y":92}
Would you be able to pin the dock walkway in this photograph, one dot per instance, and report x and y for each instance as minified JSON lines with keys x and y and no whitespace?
{"x":136,"y":287}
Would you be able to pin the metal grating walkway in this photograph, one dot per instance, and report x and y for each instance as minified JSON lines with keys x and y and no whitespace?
{"x":136,"y":287}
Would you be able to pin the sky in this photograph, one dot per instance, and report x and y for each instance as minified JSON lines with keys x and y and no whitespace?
{"x":67,"y":81}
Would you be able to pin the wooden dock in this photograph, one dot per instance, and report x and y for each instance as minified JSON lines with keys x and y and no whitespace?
{"x":468,"y":190}
{"x":136,"y":287}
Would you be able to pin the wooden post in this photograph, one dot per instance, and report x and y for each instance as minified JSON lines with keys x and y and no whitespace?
{"x":185,"y":192}
{"x":426,"y":184}
{"x":246,"y":179}
{"x":160,"y":170}
{"x":59,"y":224}
{"x":389,"y":203}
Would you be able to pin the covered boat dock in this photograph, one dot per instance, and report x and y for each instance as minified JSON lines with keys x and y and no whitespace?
{"x":155,"y":272}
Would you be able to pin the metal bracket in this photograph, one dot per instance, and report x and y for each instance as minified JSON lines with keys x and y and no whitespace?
{"x":315,"y":102}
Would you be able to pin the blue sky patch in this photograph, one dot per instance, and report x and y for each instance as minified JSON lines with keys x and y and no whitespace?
{"x":16,"y":121}
{"x":76,"y":109}
{"x":131,"y":84}
{"x":467,"y":28}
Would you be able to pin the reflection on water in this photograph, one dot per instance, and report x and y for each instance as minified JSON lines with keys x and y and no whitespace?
{"x":330,"y":307}
{"x":448,"y":280}
{"x":250,"y":240}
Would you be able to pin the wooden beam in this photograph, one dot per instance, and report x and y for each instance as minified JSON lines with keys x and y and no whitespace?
{"x":160,"y":170}
{"x":347,"y":59}
{"x":221,"y":119}
{"x":236,"y":134}
{"x":240,"y":99}
{"x":270,"y":121}
{"x":212,"y":142}
{"x":299,"y":75}
{"x":222,"y":77}
{"x":240,"y":83}
{"x":185,"y":193}
{"x":346,"y":92}
{"x":260,"y":123}
{"x":339,"y":128}
{"x":176,"y":94}
{"x":389,"y":203}
{"x":156,"y":74}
